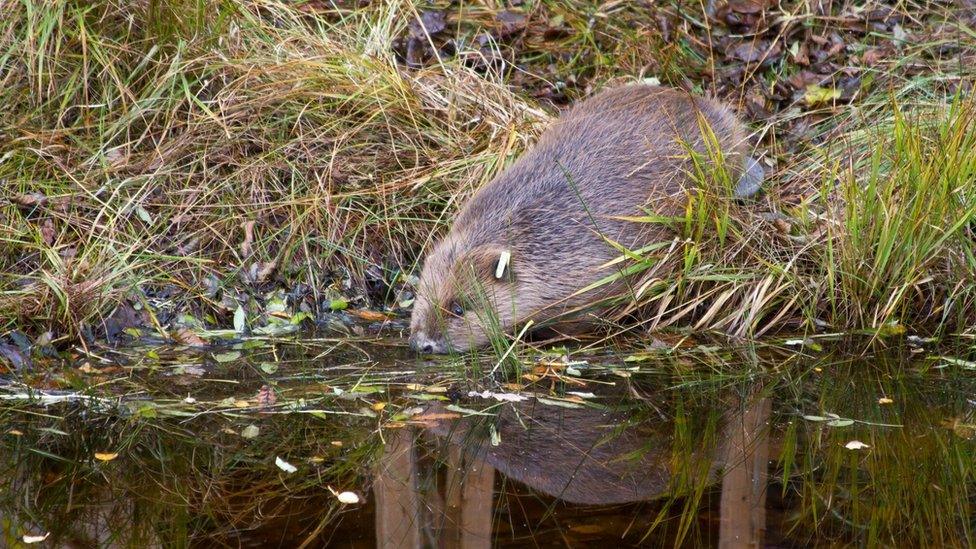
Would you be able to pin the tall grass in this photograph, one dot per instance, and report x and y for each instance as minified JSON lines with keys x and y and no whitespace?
{"x":157,"y":144}
{"x":905,"y":251}
{"x":182,"y":155}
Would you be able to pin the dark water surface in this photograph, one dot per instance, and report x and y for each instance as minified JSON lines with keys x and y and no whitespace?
{"x":776,"y":445}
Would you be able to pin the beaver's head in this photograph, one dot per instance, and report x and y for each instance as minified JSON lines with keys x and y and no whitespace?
{"x":466,"y":293}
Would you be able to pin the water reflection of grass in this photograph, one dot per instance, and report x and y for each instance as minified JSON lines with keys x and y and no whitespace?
{"x":171,"y":158}
{"x":198,"y":476}
{"x":912,"y":486}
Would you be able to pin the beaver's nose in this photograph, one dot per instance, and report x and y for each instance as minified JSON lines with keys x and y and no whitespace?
{"x":421,"y":343}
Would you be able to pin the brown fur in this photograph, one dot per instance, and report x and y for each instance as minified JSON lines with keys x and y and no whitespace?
{"x":617,"y":152}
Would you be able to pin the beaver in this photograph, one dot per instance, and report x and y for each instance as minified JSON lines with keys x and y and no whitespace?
{"x":527,"y":244}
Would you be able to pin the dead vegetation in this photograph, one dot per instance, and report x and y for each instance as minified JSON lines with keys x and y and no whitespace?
{"x":161,"y":157}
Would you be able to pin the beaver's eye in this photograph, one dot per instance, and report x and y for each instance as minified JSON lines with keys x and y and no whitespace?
{"x":457,"y":309}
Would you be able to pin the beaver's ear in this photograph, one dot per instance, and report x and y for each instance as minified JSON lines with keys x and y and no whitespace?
{"x":493,"y":263}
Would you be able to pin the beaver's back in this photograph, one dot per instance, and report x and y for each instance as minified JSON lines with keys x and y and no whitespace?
{"x":613,"y":154}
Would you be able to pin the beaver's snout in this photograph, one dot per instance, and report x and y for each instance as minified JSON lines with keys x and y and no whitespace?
{"x":422,"y":344}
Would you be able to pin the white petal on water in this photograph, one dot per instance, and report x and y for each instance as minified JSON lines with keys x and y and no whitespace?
{"x":856,"y":445}
{"x":347,"y":497}
{"x":284,"y":465}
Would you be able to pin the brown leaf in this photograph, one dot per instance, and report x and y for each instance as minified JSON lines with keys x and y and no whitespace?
{"x":29,"y":199}
{"x":747,"y":6}
{"x":186,"y":336}
{"x":47,"y":231}
{"x":266,"y":398}
{"x":751,"y":52}
{"x":372,"y":316}
{"x":511,"y":23}
{"x":435,"y":416}
{"x":429,"y":24}
{"x":802,"y":79}
{"x":248,"y":238}
{"x":872,"y":56}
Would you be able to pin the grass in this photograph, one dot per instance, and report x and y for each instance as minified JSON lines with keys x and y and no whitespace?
{"x":153,"y":154}
{"x":183,"y":159}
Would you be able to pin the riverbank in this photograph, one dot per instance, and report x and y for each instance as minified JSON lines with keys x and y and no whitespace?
{"x":184,"y":173}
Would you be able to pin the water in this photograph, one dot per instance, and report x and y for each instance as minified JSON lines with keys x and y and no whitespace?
{"x":773,"y":446}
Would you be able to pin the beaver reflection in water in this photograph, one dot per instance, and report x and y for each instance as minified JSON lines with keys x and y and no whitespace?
{"x":527,"y":243}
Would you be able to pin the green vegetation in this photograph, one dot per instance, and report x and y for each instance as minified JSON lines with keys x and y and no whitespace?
{"x":182,"y":157}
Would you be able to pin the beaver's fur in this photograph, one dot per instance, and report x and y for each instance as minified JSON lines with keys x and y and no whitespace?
{"x":554,"y":210}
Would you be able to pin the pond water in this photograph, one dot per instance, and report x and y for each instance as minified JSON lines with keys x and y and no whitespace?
{"x":345,"y":443}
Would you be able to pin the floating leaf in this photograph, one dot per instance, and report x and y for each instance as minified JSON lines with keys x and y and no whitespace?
{"x":227,"y":357}
{"x":560,"y":403}
{"x":967,"y":364}
{"x":465,"y":411}
{"x":105,"y":456}
{"x":284,"y":465}
{"x":347,"y":498}
{"x":276,"y":329}
{"x":501,"y":397}
{"x":371,"y":316}
{"x":240,"y":317}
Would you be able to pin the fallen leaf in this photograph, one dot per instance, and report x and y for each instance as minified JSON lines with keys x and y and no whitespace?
{"x":511,"y":22}
{"x":266,"y":397}
{"x":885,"y":400}
{"x":227,"y":357}
{"x":429,"y":23}
{"x":186,"y":336}
{"x":501,"y":397}
{"x":29,"y":199}
{"x":144,"y":215}
{"x":105,"y":456}
{"x":872,"y":56}
{"x":240,"y":318}
{"x":817,"y":95}
{"x":560,"y":403}
{"x":436,"y":416}
{"x":347,"y":498}
{"x":47,"y":231}
{"x":747,"y":6}
{"x":29,"y":539}
{"x":248,"y":238}
{"x":251,"y":431}
{"x":371,"y":316}
{"x":284,"y":465}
